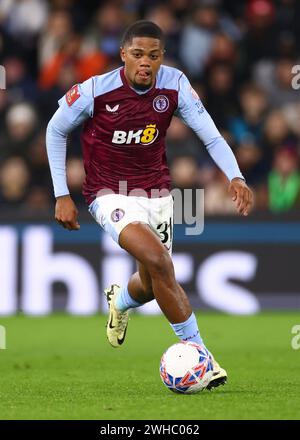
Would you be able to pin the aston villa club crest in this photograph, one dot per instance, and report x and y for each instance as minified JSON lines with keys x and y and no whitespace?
{"x":117,"y":215}
{"x":161,"y":103}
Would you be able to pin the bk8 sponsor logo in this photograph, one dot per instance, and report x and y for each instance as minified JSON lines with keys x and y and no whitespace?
{"x":145,"y":136}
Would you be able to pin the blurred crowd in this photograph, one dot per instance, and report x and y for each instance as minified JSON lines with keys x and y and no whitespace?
{"x":241,"y":58}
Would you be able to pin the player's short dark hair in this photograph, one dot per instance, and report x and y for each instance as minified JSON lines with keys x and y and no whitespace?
{"x":143,"y":28}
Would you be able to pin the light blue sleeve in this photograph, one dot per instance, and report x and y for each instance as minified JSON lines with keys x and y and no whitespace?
{"x":192,"y":112}
{"x":64,"y":120}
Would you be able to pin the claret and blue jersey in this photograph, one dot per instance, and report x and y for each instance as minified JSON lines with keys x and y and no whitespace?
{"x":123,"y":136}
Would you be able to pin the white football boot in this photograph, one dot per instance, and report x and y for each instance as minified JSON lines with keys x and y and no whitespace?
{"x":219,"y":376}
{"x":117,"y":321}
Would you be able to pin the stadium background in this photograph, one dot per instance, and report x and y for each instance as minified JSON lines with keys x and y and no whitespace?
{"x":240,"y":58}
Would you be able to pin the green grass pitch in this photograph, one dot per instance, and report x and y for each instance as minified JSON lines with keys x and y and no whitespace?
{"x":62,"y":367}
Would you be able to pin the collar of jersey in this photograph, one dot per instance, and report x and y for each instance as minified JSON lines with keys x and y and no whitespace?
{"x":133,"y":91}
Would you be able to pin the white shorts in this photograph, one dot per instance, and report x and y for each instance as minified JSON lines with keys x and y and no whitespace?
{"x":115,"y":211}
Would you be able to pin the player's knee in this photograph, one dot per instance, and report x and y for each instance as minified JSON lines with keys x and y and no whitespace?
{"x":160,"y":265}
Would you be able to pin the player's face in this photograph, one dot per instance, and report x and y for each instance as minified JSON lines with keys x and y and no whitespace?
{"x":142,"y":57}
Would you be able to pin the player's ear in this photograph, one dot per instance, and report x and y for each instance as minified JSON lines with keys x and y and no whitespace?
{"x":122,"y":54}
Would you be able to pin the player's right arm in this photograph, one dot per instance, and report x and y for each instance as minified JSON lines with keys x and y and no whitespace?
{"x":75,"y":107}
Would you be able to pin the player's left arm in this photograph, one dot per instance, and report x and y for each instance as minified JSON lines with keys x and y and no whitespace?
{"x":193,"y":113}
{"x":242,"y":195}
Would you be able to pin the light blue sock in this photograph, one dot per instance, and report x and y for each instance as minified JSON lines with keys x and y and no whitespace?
{"x":124,"y":301}
{"x":188,"y":330}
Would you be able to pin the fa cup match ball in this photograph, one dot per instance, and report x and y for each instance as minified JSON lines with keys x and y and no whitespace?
{"x":186,"y":367}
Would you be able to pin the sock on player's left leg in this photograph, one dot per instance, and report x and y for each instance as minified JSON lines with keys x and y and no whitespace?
{"x":188,"y":330}
{"x":124,"y":301}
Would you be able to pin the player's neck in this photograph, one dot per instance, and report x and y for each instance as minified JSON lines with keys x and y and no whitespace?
{"x":140,"y":92}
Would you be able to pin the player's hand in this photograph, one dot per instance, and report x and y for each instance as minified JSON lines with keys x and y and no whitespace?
{"x":66,"y":213}
{"x":242,"y":195}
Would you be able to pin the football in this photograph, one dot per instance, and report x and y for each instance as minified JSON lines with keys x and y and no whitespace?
{"x":186,"y":367}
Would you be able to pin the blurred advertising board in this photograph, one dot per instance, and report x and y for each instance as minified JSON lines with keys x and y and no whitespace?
{"x":236,"y":266}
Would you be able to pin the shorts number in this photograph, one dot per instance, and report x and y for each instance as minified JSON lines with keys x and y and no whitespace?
{"x":165,"y":230}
